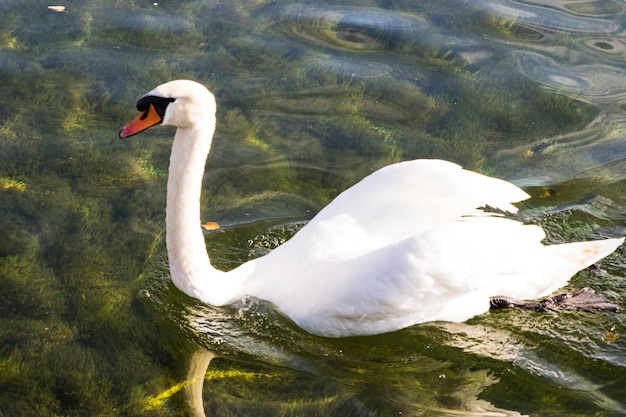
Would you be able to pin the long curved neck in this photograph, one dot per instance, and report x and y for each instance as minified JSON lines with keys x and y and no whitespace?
{"x":189,"y":262}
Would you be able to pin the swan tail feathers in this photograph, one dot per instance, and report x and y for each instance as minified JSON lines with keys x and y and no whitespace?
{"x":584,"y":254}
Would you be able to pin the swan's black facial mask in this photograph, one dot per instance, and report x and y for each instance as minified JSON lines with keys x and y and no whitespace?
{"x":152,"y":110}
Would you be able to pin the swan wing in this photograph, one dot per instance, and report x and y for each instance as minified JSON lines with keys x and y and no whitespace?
{"x":400,"y":201}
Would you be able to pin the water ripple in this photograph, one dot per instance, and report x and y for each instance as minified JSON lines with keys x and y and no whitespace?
{"x":545,"y":19}
{"x":348,"y":28}
{"x":597,"y":83}
{"x":346,"y":67}
{"x":609,"y":48}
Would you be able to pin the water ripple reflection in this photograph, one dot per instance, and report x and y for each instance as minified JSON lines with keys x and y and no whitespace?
{"x":548,"y":20}
{"x":351,"y":28}
{"x":609,"y":48}
{"x":595,"y":82}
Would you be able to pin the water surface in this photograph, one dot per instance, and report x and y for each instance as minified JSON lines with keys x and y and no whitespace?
{"x":312,"y":97}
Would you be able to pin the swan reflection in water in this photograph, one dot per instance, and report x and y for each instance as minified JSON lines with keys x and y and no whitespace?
{"x":353,"y":381}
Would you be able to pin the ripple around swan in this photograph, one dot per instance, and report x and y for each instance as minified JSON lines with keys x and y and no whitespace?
{"x":348,"y":28}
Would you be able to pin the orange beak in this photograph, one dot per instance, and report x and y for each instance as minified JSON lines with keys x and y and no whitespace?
{"x":145,"y":120}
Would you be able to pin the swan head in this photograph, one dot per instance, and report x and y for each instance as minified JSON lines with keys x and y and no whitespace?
{"x":180,"y":103}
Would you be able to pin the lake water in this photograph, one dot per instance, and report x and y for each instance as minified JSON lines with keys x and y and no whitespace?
{"x":311,"y":98}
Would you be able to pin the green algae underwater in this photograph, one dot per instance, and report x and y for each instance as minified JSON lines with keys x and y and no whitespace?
{"x":311,"y":98}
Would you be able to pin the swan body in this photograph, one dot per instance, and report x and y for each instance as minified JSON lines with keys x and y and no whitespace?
{"x":408,"y":244}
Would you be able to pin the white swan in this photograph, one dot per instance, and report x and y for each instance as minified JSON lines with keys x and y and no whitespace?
{"x":405,"y":245}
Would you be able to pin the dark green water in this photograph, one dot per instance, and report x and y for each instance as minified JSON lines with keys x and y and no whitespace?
{"x":311,"y":98}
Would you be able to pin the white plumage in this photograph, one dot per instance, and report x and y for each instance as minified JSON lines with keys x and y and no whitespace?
{"x":408,"y":244}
